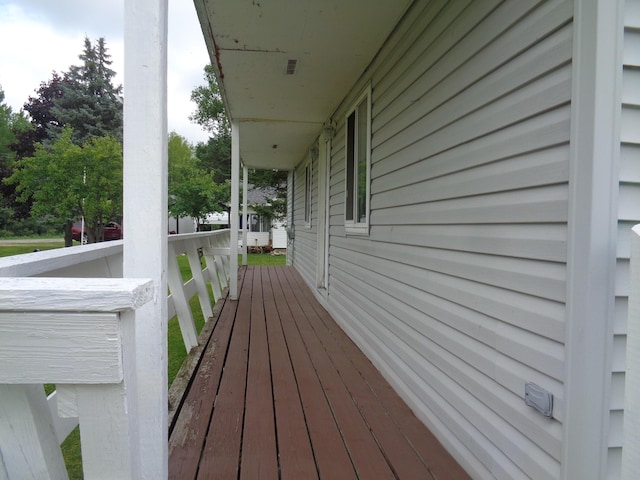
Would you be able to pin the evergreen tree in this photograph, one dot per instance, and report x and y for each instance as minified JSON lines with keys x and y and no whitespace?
{"x":90,"y":103}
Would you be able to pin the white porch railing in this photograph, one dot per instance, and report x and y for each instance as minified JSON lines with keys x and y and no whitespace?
{"x":68,"y":317}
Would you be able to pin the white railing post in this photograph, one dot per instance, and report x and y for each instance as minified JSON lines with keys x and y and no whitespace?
{"x":631,"y":438}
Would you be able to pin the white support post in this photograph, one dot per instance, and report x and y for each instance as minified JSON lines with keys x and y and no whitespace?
{"x":233,"y":221}
{"x":145,"y":220}
{"x":245,"y":219}
{"x":591,"y":255}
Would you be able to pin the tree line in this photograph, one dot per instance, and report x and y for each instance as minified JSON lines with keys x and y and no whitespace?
{"x":61,"y":155}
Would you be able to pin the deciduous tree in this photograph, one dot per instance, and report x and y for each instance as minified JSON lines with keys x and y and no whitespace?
{"x":71,"y":181}
{"x":192,"y":189}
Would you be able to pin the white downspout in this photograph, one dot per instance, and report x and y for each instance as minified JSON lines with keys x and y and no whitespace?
{"x":233,"y":221}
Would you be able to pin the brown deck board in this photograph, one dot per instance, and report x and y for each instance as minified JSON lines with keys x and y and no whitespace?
{"x":296,"y":399}
{"x":221,"y":454}
{"x":294,"y":445}
{"x":188,"y":436}
{"x":259,"y":455}
{"x":331,"y":455}
{"x":365,"y":454}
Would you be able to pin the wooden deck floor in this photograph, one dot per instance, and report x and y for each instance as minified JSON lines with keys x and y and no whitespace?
{"x":281,"y":392}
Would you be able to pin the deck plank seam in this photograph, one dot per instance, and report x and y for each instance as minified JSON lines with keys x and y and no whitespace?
{"x":267,"y":272}
{"x":236,"y":304}
{"x":295,"y":305}
{"x":286,"y":304}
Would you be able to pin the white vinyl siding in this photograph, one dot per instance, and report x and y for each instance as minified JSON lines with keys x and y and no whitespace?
{"x":628,"y":215}
{"x":305,"y":208}
{"x":308,"y":183}
{"x":458,"y":293}
{"x":290,"y":217}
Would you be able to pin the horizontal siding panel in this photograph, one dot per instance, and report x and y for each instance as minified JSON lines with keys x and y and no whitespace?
{"x":549,"y":92}
{"x":535,"y":241}
{"x":631,"y":86}
{"x":615,"y":428}
{"x":617,"y":391}
{"x":620,"y":316}
{"x":546,"y":167}
{"x":630,"y":133}
{"x":542,"y":279}
{"x":630,"y":161}
{"x":629,"y":201}
{"x":631,"y":49}
{"x":521,"y":450}
{"x":543,"y":131}
{"x":624,"y":239}
{"x":459,"y":96}
{"x":446,"y":29}
{"x":614,"y":463}
{"x":545,"y":204}
{"x":422,"y":20}
{"x":542,"y":355}
{"x":619,"y":359}
{"x":622,"y":277}
{"x":465,"y":57}
{"x":632,"y":13}
{"x":537,"y":315}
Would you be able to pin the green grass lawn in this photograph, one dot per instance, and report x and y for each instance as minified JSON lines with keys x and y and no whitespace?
{"x":20,"y":248}
{"x":71,"y":449}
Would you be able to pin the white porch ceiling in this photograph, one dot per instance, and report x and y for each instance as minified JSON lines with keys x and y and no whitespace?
{"x":250,"y":43}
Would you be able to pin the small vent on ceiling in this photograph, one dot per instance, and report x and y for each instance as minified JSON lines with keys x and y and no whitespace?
{"x":291,"y":66}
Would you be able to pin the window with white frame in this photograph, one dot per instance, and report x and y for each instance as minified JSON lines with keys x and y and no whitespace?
{"x":358,"y":165}
{"x":308,"y":172}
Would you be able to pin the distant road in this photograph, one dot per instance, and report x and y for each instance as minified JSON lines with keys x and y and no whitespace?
{"x":21,"y":241}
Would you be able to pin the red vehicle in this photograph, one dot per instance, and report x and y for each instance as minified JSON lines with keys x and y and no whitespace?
{"x":111,"y":231}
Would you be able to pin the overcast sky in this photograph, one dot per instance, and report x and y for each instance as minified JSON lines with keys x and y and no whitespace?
{"x":40,"y":36}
